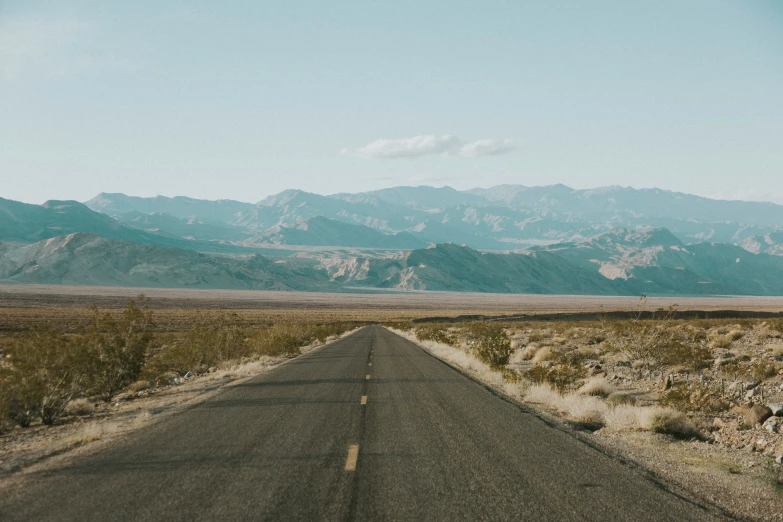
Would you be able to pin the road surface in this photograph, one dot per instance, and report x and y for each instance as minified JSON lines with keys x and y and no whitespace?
{"x":368,"y":428}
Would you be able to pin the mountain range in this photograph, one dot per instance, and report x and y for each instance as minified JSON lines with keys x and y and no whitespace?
{"x":510,"y":238}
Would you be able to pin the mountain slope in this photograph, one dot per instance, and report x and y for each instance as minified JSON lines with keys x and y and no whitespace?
{"x":208,"y":211}
{"x":321,"y":231}
{"x":655,"y":262}
{"x":26,"y":223}
{"x":86,"y":259}
{"x":190,"y":228}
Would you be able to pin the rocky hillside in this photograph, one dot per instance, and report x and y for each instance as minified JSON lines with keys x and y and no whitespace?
{"x":87,"y":259}
{"x":321,"y":231}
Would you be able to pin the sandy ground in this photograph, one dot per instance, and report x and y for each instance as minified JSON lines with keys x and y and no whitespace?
{"x":54,"y":295}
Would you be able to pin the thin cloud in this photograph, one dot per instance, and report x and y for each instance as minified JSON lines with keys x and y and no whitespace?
{"x":429,"y":145}
{"x":486,"y":148}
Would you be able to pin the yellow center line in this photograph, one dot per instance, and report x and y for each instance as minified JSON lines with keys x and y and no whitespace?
{"x":368,"y":377}
{"x":353,"y":456}
{"x":364,"y":400}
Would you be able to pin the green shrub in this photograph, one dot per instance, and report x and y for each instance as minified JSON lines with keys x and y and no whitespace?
{"x":684,"y":397}
{"x":42,"y":378}
{"x":564,"y":372}
{"x":437,"y":333}
{"x":691,"y":355}
{"x":114,"y":351}
{"x":215,"y":338}
{"x":489,"y":343}
{"x":762,"y":369}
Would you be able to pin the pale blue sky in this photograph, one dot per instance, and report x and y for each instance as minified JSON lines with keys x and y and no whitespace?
{"x":244,"y":99}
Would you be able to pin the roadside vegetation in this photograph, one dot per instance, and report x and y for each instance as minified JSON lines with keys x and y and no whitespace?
{"x":716,"y":380}
{"x":50,"y":374}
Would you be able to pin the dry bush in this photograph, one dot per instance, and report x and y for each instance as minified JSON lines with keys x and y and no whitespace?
{"x":597,"y":387}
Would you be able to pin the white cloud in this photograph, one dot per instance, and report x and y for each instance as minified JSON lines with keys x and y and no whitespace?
{"x":428,"y":145}
{"x":40,"y":44}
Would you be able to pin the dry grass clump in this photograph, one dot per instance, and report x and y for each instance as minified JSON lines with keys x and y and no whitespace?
{"x":139,"y":386}
{"x":597,"y":387}
{"x":545,"y":353}
{"x":521,"y":354}
{"x":536,"y":336}
{"x":669,"y":422}
{"x":80,"y":407}
{"x":621,"y":399}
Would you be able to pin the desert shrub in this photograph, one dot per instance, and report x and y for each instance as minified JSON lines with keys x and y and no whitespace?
{"x":438,"y":333}
{"x":489,"y":343}
{"x":214,"y":339}
{"x":42,"y":377}
{"x":114,"y":350}
{"x":621,"y":399}
{"x":684,"y":397}
{"x":762,"y":369}
{"x":691,"y":355}
{"x":670,"y":422}
{"x":597,"y":387}
{"x":563,"y":372}
{"x":5,"y":398}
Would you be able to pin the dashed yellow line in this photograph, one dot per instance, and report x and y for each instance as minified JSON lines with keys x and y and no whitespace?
{"x":369,"y":364}
{"x":353,"y":456}
{"x":368,"y":377}
{"x":364,"y":400}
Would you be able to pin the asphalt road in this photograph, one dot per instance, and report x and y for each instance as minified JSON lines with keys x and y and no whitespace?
{"x":298,"y":444}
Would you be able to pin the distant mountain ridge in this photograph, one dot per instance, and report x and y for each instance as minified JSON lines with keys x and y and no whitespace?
{"x":506,"y":217}
{"x":511,"y":238}
{"x":577,"y":268}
